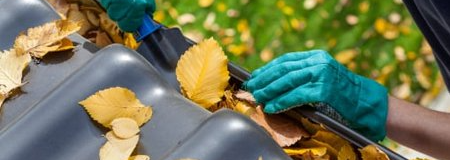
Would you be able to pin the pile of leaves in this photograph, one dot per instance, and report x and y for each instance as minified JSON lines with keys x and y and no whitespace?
{"x":96,"y":26}
{"x":118,"y":109}
{"x":35,"y":43}
{"x":203,"y":76}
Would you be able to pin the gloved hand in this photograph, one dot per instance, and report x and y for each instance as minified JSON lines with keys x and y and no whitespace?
{"x":314,"y":76}
{"x":128,"y":14}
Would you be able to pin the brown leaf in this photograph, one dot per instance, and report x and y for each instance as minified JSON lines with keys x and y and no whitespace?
{"x":245,"y":96}
{"x":139,"y":157}
{"x":102,"y":39}
{"x":283,"y":130}
{"x":74,"y":14}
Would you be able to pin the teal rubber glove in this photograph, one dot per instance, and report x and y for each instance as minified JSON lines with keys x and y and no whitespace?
{"x":128,"y":14}
{"x":314,"y":76}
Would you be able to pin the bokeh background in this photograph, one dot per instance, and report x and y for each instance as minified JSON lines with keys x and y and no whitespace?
{"x":373,"y":38}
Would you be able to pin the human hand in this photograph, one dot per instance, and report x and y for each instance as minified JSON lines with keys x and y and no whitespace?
{"x":128,"y":14}
{"x":314,"y":76}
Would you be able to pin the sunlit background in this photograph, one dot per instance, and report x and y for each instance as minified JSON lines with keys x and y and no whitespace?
{"x":376,"y":39}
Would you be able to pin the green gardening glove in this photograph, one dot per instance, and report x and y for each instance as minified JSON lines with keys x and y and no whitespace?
{"x":128,"y":14}
{"x":314,"y":76}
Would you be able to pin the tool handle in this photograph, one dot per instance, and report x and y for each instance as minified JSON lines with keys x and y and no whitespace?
{"x":148,"y":27}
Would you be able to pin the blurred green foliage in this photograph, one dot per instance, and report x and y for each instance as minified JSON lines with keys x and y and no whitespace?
{"x":376,"y":39}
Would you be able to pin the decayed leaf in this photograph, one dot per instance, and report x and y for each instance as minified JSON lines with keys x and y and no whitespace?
{"x":316,"y":151}
{"x":309,"y":126}
{"x":109,"y":104}
{"x":11,"y":68}
{"x":346,"y":153}
{"x":371,"y":152}
{"x":139,"y":157}
{"x":116,"y":148}
{"x":202,"y":73}
{"x":74,"y":14}
{"x":124,"y":127}
{"x":38,"y":41}
{"x":284,"y":131}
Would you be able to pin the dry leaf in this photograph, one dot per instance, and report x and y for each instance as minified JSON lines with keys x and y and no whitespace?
{"x":111,"y":28}
{"x":116,"y":148}
{"x":346,"y":153}
{"x":65,"y":44}
{"x":102,"y":39}
{"x":74,"y":14}
{"x":327,"y":137}
{"x":139,"y":157}
{"x":38,"y":41}
{"x":130,"y":41}
{"x":11,"y":68}
{"x":316,"y":151}
{"x":244,"y":109}
{"x":202,"y":73}
{"x":371,"y":152}
{"x":61,"y":6}
{"x":315,"y":143}
{"x":245,"y":96}
{"x":284,"y":131}
{"x":109,"y":104}
{"x":124,"y":127}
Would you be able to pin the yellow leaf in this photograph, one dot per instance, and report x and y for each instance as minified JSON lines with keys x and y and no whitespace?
{"x":11,"y":68}
{"x":130,"y":42}
{"x":315,"y":143}
{"x":139,"y":157}
{"x":327,"y":137}
{"x":316,"y":151}
{"x":109,"y":104}
{"x":283,"y":130}
{"x":124,"y":127}
{"x":202,"y":73}
{"x":65,"y":44}
{"x":371,"y":152}
{"x":346,"y":153}
{"x":40,"y":40}
{"x":116,"y":148}
{"x":244,"y":109}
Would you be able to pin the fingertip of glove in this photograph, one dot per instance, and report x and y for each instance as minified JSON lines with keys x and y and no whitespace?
{"x":270,"y":109}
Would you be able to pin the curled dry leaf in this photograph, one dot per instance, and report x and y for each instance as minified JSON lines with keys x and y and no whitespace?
{"x":202,"y":73}
{"x":110,"y":27}
{"x":245,"y":96}
{"x":124,"y":127}
{"x":283,"y":130}
{"x":116,"y":148}
{"x":109,"y":104}
{"x":371,"y":152}
{"x":315,"y":143}
{"x":139,"y":157}
{"x":74,"y":14}
{"x":11,"y":68}
{"x":40,"y":40}
{"x":316,"y":151}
